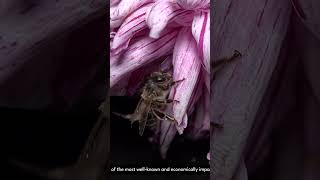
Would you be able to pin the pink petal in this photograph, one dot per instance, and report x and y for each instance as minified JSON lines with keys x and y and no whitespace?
{"x":207,"y":116}
{"x":184,"y":19}
{"x":201,"y":32}
{"x":183,"y":124}
{"x":114,"y":59}
{"x":187,"y":66}
{"x":133,"y":24}
{"x":161,"y":14}
{"x":142,"y":52}
{"x":112,"y":34}
{"x":123,"y":9}
{"x":114,"y":2}
{"x":166,"y":64}
{"x":114,"y":22}
{"x":120,"y":88}
{"x":200,"y":124}
{"x":207,"y":79}
{"x":167,"y":132}
{"x":208,"y":156}
{"x":194,"y":4}
{"x":196,"y":95}
{"x":205,"y":126}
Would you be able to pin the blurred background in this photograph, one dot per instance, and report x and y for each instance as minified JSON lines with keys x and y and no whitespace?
{"x":53,"y":78}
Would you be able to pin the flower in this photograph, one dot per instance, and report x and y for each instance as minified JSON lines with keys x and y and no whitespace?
{"x":144,"y":32}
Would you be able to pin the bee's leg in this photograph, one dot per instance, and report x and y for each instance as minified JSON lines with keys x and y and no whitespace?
{"x":165,"y":101}
{"x":176,"y":82}
{"x":156,"y":115}
{"x":165,"y":115}
{"x":216,"y":66}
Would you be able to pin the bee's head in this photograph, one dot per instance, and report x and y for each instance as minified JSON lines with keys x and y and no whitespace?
{"x":160,"y":76}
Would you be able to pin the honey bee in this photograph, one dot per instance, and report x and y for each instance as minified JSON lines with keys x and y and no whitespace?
{"x":153,"y":101}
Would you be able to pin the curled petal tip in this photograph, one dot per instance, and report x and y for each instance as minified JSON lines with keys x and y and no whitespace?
{"x":187,"y":65}
{"x":168,"y":132}
{"x":142,"y":52}
{"x":201,"y":33}
{"x":194,"y":4}
{"x":154,"y":34}
{"x":183,"y":124}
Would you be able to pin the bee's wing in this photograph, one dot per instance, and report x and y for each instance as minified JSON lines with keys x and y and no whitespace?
{"x":134,"y":116}
{"x":142,"y":126}
{"x":144,"y":119}
{"x":139,"y":107}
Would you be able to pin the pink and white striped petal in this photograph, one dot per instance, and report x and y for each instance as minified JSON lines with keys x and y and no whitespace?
{"x":183,"y":124}
{"x":114,"y":2}
{"x":120,"y":89}
{"x":161,"y":13}
{"x":184,"y":19}
{"x":114,"y":60}
{"x":187,"y":66}
{"x":201,"y":32}
{"x":123,"y":9}
{"x":114,"y":22}
{"x":141,"y":52}
{"x":197,"y":93}
{"x":194,"y":4}
{"x":166,"y":65}
{"x":199,"y":127}
{"x":167,"y":133}
{"x":133,"y":24}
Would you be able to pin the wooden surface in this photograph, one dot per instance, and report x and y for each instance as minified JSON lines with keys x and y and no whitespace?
{"x":257,"y":29}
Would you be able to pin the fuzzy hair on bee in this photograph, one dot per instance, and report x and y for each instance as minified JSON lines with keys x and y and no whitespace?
{"x":153,"y":102}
